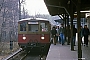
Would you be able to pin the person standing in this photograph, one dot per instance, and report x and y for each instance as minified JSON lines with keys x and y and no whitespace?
{"x":74,"y":34}
{"x":68,"y":31}
{"x":81,"y":32}
{"x":57,"y":36}
{"x":54,"y":33}
{"x":62,"y":34}
{"x":85,"y":34}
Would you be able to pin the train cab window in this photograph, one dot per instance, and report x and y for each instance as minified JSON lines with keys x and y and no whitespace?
{"x":33,"y":26}
{"x":23,"y":26}
{"x":44,"y":27}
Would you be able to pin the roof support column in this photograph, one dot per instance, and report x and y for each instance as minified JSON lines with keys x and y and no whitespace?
{"x":78,"y":30}
{"x":65,"y":25}
{"x":72,"y":45}
{"x":72,"y":17}
{"x":68,"y":30}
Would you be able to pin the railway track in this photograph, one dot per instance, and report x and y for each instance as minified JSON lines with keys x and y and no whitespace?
{"x":30,"y":56}
{"x":24,"y":55}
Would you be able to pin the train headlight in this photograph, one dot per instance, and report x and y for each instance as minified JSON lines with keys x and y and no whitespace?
{"x":42,"y":38}
{"x":24,"y":38}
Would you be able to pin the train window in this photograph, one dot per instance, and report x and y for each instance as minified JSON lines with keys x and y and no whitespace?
{"x":23,"y":26}
{"x":33,"y":27}
{"x":44,"y":27}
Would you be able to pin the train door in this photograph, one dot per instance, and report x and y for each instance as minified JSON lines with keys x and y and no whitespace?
{"x":33,"y":31}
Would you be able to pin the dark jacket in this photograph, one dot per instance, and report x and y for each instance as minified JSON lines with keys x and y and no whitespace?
{"x":85,"y":31}
{"x":61,"y":30}
{"x":74,"y":31}
{"x":68,"y":32}
{"x":81,"y":32}
{"x":53,"y":32}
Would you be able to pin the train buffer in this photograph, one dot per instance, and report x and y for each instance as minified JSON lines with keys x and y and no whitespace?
{"x":59,"y":52}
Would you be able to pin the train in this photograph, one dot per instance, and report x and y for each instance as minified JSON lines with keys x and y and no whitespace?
{"x":34,"y":33}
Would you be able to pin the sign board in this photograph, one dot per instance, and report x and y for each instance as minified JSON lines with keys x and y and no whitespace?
{"x":33,"y":22}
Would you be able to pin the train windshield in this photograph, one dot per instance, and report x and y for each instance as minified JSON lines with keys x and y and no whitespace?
{"x":33,"y":26}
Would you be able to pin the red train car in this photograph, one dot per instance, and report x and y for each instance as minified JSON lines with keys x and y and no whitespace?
{"x":34,"y":33}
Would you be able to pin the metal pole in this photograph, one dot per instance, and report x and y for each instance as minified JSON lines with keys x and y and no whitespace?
{"x":11,"y":42}
{"x":78,"y":30}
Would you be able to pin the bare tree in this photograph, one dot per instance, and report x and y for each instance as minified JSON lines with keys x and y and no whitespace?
{"x":10,"y":13}
{"x":24,"y":13}
{"x":9,"y":17}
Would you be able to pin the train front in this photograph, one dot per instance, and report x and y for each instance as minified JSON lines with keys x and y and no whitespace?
{"x":33,"y":34}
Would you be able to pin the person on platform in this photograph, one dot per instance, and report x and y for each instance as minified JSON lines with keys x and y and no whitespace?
{"x":68,"y":31}
{"x":74,"y":35}
{"x":57,"y":36}
{"x":85,"y":34}
{"x":81,"y":32}
{"x":62,"y":34}
{"x":54,"y":33}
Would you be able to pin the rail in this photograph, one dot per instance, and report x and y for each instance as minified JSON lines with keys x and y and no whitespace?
{"x":11,"y":56}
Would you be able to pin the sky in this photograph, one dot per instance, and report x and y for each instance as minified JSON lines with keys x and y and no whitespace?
{"x":36,"y":7}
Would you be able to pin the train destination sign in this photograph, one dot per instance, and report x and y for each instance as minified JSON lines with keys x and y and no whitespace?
{"x":33,"y":22}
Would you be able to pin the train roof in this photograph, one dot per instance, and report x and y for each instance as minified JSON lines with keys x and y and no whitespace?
{"x":37,"y":19}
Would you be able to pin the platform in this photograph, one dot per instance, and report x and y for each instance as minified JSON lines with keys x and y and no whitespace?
{"x":59,"y":52}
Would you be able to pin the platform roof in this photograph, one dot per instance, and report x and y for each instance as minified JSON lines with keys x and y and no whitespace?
{"x":59,"y":20}
{"x":57,"y":7}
